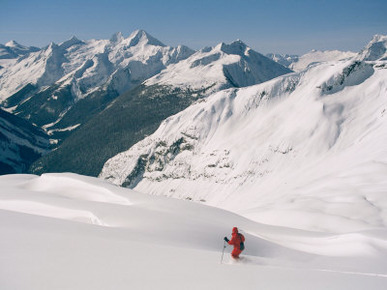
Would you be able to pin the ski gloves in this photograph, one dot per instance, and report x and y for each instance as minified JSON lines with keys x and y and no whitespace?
{"x":225,"y":238}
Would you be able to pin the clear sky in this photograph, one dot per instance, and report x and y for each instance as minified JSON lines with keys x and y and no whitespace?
{"x":280,"y":26}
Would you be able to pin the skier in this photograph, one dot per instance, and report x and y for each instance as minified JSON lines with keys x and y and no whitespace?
{"x":237,"y":240}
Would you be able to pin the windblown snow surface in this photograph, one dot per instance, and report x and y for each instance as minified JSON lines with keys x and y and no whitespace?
{"x":65,"y":231}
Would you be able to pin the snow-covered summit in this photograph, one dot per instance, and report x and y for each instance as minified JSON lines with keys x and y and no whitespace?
{"x":376,"y":49}
{"x":137,"y":37}
{"x":220,"y":67}
{"x":12,"y":50}
{"x":72,"y":41}
{"x":141,"y":36}
{"x":13,"y":43}
{"x":237,"y":47}
{"x":20,"y":49}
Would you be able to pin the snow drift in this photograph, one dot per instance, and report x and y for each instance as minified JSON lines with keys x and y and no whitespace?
{"x":76,"y":232}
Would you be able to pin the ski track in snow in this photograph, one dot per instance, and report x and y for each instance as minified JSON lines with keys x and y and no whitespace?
{"x":249,"y":260}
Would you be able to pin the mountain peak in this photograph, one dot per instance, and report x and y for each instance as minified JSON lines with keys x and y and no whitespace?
{"x":72,"y":41}
{"x":52,"y":45}
{"x":376,"y":49}
{"x":74,"y":38}
{"x":379,"y":38}
{"x":237,"y":47}
{"x":141,"y":36}
{"x":13,"y":44}
{"x":18,"y":49}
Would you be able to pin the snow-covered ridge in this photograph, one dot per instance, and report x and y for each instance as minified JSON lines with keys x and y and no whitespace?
{"x":300,"y":63}
{"x":220,"y":67}
{"x":48,"y":84}
{"x":376,"y":49}
{"x":312,"y":138}
{"x":12,"y":49}
{"x":140,"y":54}
{"x":316,"y":56}
{"x":45,"y":87}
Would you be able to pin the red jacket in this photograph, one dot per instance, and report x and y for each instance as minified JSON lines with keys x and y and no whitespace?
{"x":236,"y":239}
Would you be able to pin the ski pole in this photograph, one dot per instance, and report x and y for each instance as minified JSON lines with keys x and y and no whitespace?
{"x":224,"y":246}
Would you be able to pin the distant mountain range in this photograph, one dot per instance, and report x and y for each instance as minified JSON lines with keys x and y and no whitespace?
{"x":63,"y":87}
{"x":97,"y":98}
{"x":52,"y":87}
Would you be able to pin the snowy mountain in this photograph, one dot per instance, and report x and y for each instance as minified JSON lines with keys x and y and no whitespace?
{"x":284,"y":59}
{"x":13,"y":50}
{"x":220,"y":67}
{"x":20,"y":143}
{"x":300,"y":63}
{"x":10,"y":52}
{"x":375,"y":50}
{"x":299,"y":143}
{"x":298,"y":163}
{"x":65,"y":231}
{"x":46,"y":87}
{"x":53,"y":87}
{"x":316,"y":56}
{"x":141,"y":110}
{"x":89,"y":64}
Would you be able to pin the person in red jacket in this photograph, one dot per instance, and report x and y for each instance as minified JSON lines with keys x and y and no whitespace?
{"x":237,"y":240}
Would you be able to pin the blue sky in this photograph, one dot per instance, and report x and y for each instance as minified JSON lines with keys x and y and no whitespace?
{"x":279,"y":26}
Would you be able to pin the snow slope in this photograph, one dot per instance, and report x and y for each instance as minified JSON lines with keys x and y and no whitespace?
{"x":307,"y":144}
{"x":65,"y":231}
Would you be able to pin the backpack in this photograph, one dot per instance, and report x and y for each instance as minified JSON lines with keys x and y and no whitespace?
{"x":242,"y":244}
